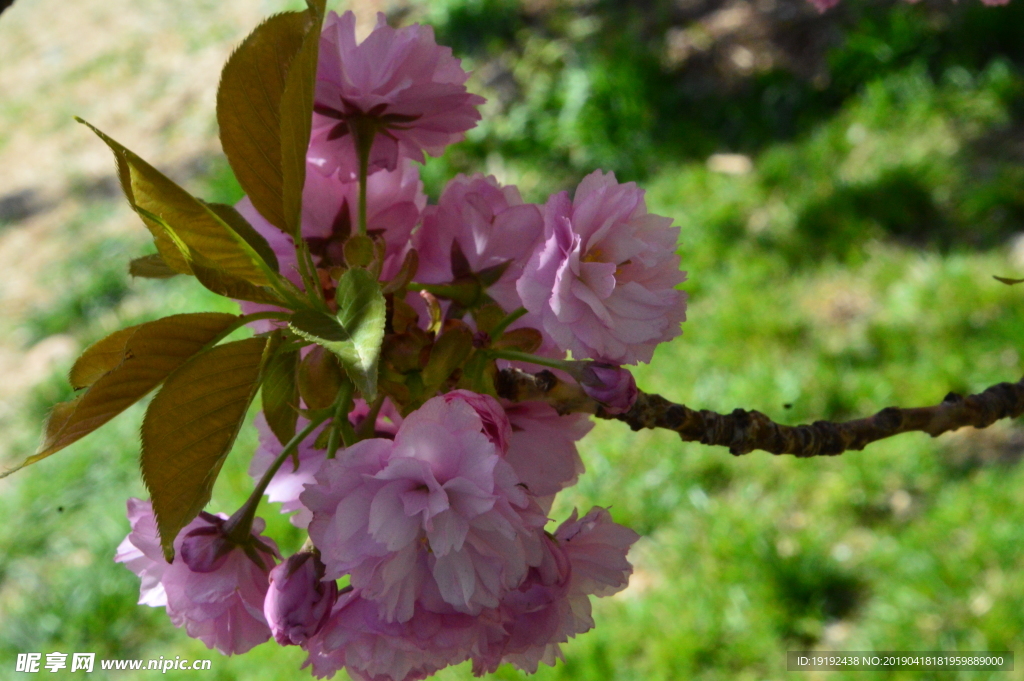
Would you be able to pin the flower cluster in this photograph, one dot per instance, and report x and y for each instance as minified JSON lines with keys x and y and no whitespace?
{"x":433,"y":513}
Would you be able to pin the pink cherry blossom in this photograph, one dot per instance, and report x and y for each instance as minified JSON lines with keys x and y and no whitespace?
{"x":289,"y":481}
{"x":542,"y":449}
{"x":330,"y":208}
{"x":603,"y":283}
{"x":222,"y":605}
{"x":394,"y":201}
{"x":371,"y":649}
{"x":435,"y":516}
{"x":597,"y":548}
{"x":586,"y":557}
{"x":398,"y":82}
{"x":490,"y":227}
{"x":492,"y":415}
{"x":298,"y":602}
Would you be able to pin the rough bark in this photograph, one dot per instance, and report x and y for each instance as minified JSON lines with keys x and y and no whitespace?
{"x":744,"y":431}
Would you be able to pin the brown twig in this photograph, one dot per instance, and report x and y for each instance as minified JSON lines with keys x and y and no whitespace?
{"x":744,"y":431}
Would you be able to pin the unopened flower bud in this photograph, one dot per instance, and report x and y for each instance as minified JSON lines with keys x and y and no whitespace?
{"x":298,"y":602}
{"x":612,"y":386}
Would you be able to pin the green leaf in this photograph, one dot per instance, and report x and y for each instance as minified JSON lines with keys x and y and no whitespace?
{"x":120,"y":369}
{"x":188,"y":232}
{"x":357,"y":332}
{"x":189,"y":429}
{"x":297,"y":119}
{"x":1008,"y":282}
{"x":151,"y":267}
{"x":280,"y":394}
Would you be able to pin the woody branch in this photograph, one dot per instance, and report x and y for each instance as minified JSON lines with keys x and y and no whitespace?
{"x":744,"y":431}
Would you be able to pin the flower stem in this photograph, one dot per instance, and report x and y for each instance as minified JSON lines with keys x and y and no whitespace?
{"x":369,"y":425}
{"x":310,"y":279}
{"x":517,"y":356}
{"x":239,"y":526}
{"x":342,"y":406}
{"x":364,"y":162}
{"x":364,"y":134}
{"x":506,"y":322}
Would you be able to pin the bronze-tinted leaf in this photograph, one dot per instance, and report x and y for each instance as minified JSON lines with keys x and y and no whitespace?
{"x":151,"y":267}
{"x":148,"y":355}
{"x":523,"y":339}
{"x":1007,"y":281}
{"x":215,"y":279}
{"x":320,"y":378}
{"x":280,"y":394}
{"x":195,"y":230}
{"x":249,"y":103}
{"x":242,"y":228}
{"x":297,"y":118}
{"x":488,"y":316}
{"x":189,"y":429}
{"x":448,"y":354}
{"x":100,"y":358}
{"x":405,"y":274}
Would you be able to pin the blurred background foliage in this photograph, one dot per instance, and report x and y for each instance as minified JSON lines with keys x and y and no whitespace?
{"x":846,"y":184}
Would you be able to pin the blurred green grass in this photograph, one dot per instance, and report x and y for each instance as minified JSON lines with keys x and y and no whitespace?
{"x":851,"y":269}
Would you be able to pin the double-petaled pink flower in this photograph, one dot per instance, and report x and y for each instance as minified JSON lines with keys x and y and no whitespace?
{"x":357,"y":639}
{"x":398,"y":83}
{"x":290,"y":480}
{"x":603,"y":282}
{"x":551,"y":604}
{"x":330,"y":206}
{"x":435,"y":517}
{"x":479,"y":226}
{"x":585,"y":557}
{"x":212,"y":588}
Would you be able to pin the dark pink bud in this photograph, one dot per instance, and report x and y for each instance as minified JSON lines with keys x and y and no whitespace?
{"x":298,"y":602}
{"x":612,"y":386}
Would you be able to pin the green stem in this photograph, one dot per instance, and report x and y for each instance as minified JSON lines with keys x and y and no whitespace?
{"x":287,"y":290}
{"x":517,"y":356}
{"x":239,"y":526}
{"x":342,"y":406}
{"x":310,"y":279}
{"x":504,"y":323}
{"x":369,"y":425}
{"x":364,"y":140}
{"x":364,"y":164}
